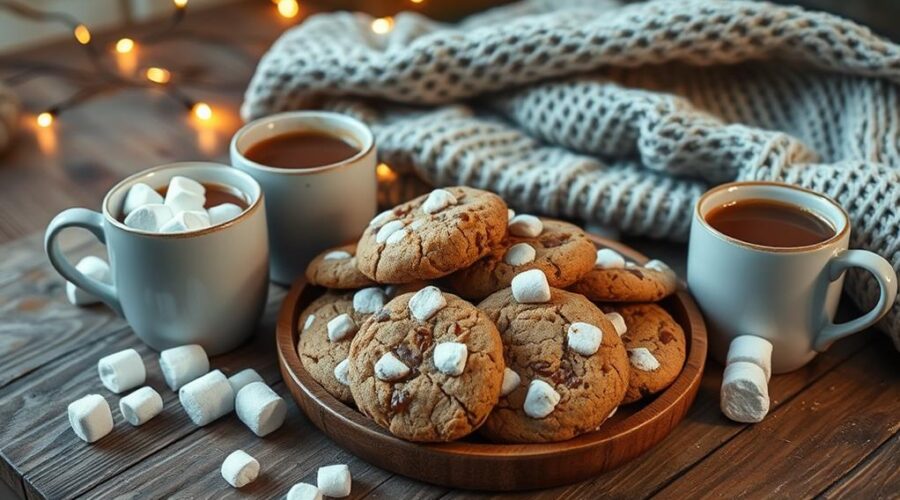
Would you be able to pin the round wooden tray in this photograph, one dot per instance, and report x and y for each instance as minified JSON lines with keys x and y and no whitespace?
{"x":476,"y":464}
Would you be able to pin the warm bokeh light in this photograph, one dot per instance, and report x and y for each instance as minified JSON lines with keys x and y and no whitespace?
{"x":82,"y":34}
{"x":416,"y":1}
{"x":202,"y":111}
{"x":45,"y":119}
{"x":288,"y":8}
{"x":180,"y":3}
{"x":158,"y":75}
{"x":124,"y":45}
{"x":383,"y":25}
{"x":385,"y":173}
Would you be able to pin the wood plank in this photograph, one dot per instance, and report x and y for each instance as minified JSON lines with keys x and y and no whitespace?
{"x":406,"y":488}
{"x":875,"y":477}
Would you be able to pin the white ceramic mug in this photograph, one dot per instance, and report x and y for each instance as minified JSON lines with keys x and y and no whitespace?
{"x":785,"y":295}
{"x":311,"y":209}
{"x":204,"y":287}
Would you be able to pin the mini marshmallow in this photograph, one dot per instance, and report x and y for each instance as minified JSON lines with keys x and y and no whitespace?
{"x":438,"y":200}
{"x":658,"y":265}
{"x":186,"y":221}
{"x":90,"y":417}
{"x":519,"y":254}
{"x":511,"y":380}
{"x":223,"y":213}
{"x":450,"y":358}
{"x":122,"y":371}
{"x":240,"y":469}
{"x":426,"y":303}
{"x":527,"y":226}
{"x":340,"y":327}
{"x":138,"y":195}
{"x":380,"y":219}
{"x":531,"y":287}
{"x":368,"y":300}
{"x":387,"y":230}
{"x":334,"y":480}
{"x":389,"y":368}
{"x":342,"y":372}
{"x":510,"y":213}
{"x":745,"y":393}
{"x":183,"y":183}
{"x":181,"y":200}
{"x":92,"y":267}
{"x":618,"y":321}
{"x":309,"y":321}
{"x":541,"y":399}
{"x":396,"y":237}
{"x":243,"y":378}
{"x":207,"y":398}
{"x":180,"y":365}
{"x":584,"y":338}
{"x":417,"y":224}
{"x":260,"y":408}
{"x":337,"y":255}
{"x":304,"y":491}
{"x":141,"y":405}
{"x":149,"y":217}
{"x":642,"y":359}
{"x":609,"y":259}
{"x":753,"y":349}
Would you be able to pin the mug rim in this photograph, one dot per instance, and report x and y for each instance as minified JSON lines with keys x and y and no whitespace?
{"x":369,"y":141}
{"x":251,"y":208}
{"x":838,"y":235}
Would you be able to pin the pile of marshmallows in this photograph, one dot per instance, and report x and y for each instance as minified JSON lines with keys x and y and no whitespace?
{"x":205,"y":396}
{"x":181,"y":210}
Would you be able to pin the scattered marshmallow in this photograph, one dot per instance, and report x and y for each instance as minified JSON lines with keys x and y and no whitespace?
{"x":642,"y":359}
{"x":240,"y":469}
{"x":180,"y":365}
{"x":182,"y":183}
{"x":340,"y":327}
{"x":608,"y":258}
{"x":584,"y":338}
{"x":342,"y":372}
{"x":243,"y":378}
{"x":309,"y":321}
{"x":92,"y":267}
{"x":186,"y":221}
{"x":389,"y":368}
{"x":396,"y":237}
{"x":618,"y":322}
{"x":527,"y":226}
{"x":90,"y":417}
{"x":531,"y":287}
{"x":149,"y":217}
{"x":337,"y":255}
{"x":260,"y":408}
{"x":368,"y":300}
{"x":387,"y":230}
{"x":510,"y":213}
{"x":122,"y":371}
{"x":380,"y":219}
{"x":745,"y":393}
{"x":223,"y":213}
{"x":541,"y":399}
{"x":207,"y":398}
{"x":426,"y":302}
{"x":304,"y":491}
{"x":519,"y":254}
{"x":334,"y":480}
{"x":511,"y":380}
{"x":438,"y":200}
{"x":450,"y":358}
{"x":141,"y":405}
{"x":753,"y":349}
{"x":139,"y":195}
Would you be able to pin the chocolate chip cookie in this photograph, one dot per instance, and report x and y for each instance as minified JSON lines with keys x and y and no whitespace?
{"x":432,"y":235}
{"x":427,"y":367}
{"x":336,"y":268}
{"x":613,"y":279}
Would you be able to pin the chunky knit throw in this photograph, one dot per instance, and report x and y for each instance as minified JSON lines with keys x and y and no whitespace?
{"x":618,"y":115}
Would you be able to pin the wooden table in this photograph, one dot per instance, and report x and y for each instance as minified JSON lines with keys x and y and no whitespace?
{"x":832,"y":430}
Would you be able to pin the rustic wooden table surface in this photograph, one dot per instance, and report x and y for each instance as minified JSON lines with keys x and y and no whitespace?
{"x":832,"y":431}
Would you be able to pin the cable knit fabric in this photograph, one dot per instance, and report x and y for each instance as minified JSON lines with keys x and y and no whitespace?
{"x":617,"y":114}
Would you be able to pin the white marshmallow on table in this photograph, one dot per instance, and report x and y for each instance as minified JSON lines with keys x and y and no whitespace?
{"x":240,"y":469}
{"x":149,"y":217}
{"x":609,"y":259}
{"x":309,"y":321}
{"x":450,"y":358}
{"x":304,"y":491}
{"x":525,"y":225}
{"x":141,"y":405}
{"x":531,"y":287}
{"x":753,"y":349}
{"x":745,"y":394}
{"x":340,"y":327}
{"x":387,"y":230}
{"x":207,"y":398}
{"x":584,"y":338}
{"x":368,"y":300}
{"x":138,"y":195}
{"x":92,"y":267}
{"x":618,"y":322}
{"x":511,"y":380}
{"x":90,"y":417}
{"x":122,"y":370}
{"x":260,"y":408}
{"x":396,"y":237}
{"x":389,"y":368}
{"x":438,"y":200}
{"x":426,"y":303}
{"x":334,"y":480}
{"x":519,"y":254}
{"x":337,"y":255}
{"x":642,"y":359}
{"x":223,"y":213}
{"x":192,"y":220}
{"x":243,"y":378}
{"x":342,"y":372}
{"x":180,"y":365}
{"x":541,"y":399}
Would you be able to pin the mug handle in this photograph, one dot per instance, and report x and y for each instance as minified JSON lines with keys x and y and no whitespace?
{"x":93,"y":222}
{"x":887,"y":280}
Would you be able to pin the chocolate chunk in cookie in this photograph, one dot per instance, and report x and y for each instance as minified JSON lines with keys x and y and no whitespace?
{"x":613,"y":279}
{"x":336,"y":268}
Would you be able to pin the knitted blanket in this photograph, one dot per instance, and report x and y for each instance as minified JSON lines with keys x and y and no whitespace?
{"x":618,"y":115}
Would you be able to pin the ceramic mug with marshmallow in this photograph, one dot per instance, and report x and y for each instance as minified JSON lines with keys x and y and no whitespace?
{"x":206,"y":287}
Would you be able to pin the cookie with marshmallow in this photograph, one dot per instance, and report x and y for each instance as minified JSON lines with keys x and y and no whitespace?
{"x":616,"y":279}
{"x":336,"y":268}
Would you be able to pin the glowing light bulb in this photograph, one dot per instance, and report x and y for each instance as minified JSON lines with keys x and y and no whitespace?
{"x":82,"y":34}
{"x":202,"y":111}
{"x":180,"y":3}
{"x":45,"y":119}
{"x":416,"y":1}
{"x":124,"y":45}
{"x":385,"y":173}
{"x":158,"y":75}
{"x":383,"y":25}
{"x":288,"y":8}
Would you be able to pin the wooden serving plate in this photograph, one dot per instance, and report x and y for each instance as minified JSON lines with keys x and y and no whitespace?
{"x":480,"y":465}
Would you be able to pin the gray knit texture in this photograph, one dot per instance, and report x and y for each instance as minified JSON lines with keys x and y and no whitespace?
{"x":617,"y":115}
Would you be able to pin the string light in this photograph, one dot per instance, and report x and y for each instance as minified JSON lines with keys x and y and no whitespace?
{"x":384,"y":173}
{"x":288,"y":8}
{"x":202,"y":111}
{"x":124,"y":45}
{"x":383,"y":25}
{"x":180,"y":4}
{"x":45,"y":119}
{"x":82,"y":34}
{"x":416,"y":1}
{"x":158,"y":75}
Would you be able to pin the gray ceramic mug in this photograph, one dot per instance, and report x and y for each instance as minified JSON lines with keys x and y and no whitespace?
{"x":205,"y":287}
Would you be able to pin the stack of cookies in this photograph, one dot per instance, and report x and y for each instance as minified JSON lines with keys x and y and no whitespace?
{"x":562,"y":333}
